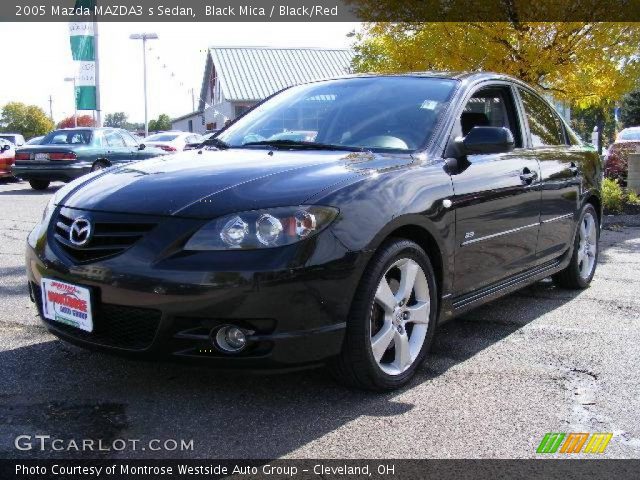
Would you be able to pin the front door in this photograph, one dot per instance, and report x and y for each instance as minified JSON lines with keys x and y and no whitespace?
{"x":497,"y":198}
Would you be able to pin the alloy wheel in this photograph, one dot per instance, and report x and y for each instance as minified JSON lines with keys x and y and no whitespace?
{"x":588,"y":245}
{"x":400,"y":316}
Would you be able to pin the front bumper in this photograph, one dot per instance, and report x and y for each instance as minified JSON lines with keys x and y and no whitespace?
{"x":154,"y":298}
{"x":27,"y":170}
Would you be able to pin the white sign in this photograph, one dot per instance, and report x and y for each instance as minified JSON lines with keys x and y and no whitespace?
{"x":66,"y":303}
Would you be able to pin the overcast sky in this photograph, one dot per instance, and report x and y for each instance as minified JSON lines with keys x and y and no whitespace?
{"x":39,"y":58}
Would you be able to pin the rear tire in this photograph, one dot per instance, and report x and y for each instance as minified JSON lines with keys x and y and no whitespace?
{"x":99,"y":165}
{"x":392,"y":319}
{"x":39,"y":184}
{"x":582,"y":267}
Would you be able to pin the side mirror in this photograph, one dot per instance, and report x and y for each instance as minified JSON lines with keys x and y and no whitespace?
{"x":483,"y":140}
{"x":5,"y":147}
{"x":142,"y":146}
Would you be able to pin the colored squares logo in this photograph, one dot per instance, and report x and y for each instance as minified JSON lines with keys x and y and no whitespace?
{"x":556,"y":442}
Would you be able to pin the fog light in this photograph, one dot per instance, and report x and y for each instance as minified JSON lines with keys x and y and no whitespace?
{"x":229,"y":338}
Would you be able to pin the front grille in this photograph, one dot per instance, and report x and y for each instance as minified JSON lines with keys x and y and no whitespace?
{"x":107,"y":239}
{"x":130,"y":328}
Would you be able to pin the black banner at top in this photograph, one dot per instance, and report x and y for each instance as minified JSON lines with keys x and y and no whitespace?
{"x":320,"y":10}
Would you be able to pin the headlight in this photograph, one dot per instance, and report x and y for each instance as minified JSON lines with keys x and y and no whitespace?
{"x":268,"y":228}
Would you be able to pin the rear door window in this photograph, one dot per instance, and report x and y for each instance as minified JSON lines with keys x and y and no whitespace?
{"x":544,"y":124}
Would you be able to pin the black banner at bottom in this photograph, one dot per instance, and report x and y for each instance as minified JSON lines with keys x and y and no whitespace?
{"x":317,"y":469}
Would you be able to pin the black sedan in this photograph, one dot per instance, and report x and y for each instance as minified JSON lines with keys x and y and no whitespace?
{"x":421,"y":197}
{"x":66,"y":154}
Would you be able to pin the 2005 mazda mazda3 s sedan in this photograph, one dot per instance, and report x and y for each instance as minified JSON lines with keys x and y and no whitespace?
{"x":421,"y":196}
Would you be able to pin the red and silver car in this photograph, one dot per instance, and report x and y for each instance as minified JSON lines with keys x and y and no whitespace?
{"x":7,"y":157}
{"x":617,"y":162}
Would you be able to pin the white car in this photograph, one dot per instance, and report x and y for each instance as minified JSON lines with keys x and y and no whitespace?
{"x":172,"y":141}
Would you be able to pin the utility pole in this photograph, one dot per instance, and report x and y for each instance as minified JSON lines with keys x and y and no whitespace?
{"x":144,"y":37}
{"x":51,"y":107}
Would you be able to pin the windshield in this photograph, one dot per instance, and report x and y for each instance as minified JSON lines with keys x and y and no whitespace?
{"x":378,"y":114}
{"x":161,"y":138}
{"x":67,"y":137}
{"x":8,"y":138}
{"x":629,"y":134}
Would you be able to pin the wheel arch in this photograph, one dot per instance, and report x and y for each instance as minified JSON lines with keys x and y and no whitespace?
{"x":425,"y":235}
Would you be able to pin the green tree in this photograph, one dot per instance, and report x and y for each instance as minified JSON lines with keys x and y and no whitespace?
{"x":29,"y":120}
{"x":584,"y":119}
{"x":630,"y":109}
{"x":115,"y":120}
{"x":163,"y":122}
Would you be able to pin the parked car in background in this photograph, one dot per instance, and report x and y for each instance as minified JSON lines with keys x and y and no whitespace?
{"x":172,"y":141}
{"x":7,"y":154}
{"x":199,"y":141}
{"x":15,"y":138}
{"x":295,"y":136}
{"x":66,"y":154}
{"x":422,"y":197}
{"x":617,"y":161}
{"x":34,"y":140}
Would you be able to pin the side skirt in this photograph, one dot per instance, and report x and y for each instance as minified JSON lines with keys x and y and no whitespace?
{"x":454,"y":306}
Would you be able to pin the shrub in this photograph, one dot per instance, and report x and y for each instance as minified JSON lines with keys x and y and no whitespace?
{"x":632,"y":197}
{"x":613,"y":197}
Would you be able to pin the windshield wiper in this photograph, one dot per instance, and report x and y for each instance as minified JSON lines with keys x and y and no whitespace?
{"x":214,"y":142}
{"x":301,"y":144}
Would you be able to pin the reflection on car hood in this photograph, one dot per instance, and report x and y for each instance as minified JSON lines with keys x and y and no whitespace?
{"x":212,"y":183}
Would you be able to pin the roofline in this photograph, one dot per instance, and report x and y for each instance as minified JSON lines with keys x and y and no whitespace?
{"x":269,"y":47}
{"x":187,"y":115}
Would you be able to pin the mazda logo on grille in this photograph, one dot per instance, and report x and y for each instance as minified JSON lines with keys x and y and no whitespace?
{"x":80,"y":231}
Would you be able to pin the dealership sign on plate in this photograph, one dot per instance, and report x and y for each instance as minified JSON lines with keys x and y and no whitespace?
{"x":66,"y":303}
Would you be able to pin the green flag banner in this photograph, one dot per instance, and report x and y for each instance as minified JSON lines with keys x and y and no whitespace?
{"x":81,"y":36}
{"x":86,"y":98}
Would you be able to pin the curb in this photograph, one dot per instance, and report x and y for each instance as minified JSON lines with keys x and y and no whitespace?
{"x":623,"y":220}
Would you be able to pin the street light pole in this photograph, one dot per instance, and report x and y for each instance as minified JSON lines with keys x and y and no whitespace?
{"x":75,"y":104}
{"x":144,"y":37}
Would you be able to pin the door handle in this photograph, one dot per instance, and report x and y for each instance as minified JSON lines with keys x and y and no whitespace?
{"x":573,"y":168}
{"x":527,"y":176}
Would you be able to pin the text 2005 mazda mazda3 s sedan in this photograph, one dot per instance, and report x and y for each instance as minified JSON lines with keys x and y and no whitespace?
{"x":420,"y":197}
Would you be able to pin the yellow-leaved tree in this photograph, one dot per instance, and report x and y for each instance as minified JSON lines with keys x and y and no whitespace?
{"x":586,"y":64}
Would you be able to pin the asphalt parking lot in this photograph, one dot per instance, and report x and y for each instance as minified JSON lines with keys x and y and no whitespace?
{"x":541,"y":360}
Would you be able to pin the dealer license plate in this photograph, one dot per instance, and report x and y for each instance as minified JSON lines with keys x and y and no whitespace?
{"x":66,"y":303}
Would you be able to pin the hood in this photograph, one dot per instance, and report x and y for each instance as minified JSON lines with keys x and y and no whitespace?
{"x":209,"y":183}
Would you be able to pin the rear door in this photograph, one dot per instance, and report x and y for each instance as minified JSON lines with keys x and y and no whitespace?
{"x":561,"y":175}
{"x":117,"y":150}
{"x":497,"y":197}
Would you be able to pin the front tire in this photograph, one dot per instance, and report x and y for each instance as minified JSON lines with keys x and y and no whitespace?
{"x":582,"y":267}
{"x":392,"y":319}
{"x":39,"y":184}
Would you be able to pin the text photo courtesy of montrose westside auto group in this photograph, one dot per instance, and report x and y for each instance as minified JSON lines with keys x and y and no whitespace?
{"x":335,"y":239}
